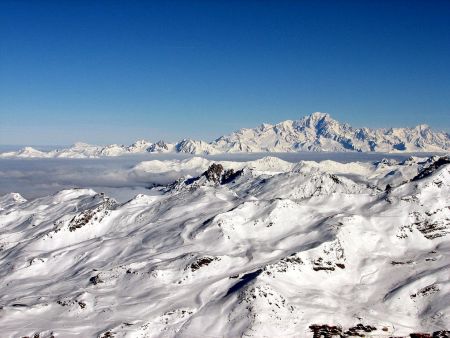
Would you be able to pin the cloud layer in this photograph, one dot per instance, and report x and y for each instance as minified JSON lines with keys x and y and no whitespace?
{"x":125,"y":177}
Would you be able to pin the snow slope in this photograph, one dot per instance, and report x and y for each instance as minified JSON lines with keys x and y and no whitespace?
{"x":316,"y":132}
{"x":320,"y":132}
{"x":258,"y":249}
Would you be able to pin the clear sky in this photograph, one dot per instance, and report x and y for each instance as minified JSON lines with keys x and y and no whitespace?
{"x":116,"y":71}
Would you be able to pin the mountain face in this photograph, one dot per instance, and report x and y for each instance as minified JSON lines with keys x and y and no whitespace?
{"x":319,"y":132}
{"x":264,"y":248}
{"x":316,"y":132}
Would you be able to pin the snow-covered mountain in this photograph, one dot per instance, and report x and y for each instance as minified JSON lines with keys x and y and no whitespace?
{"x":84,"y":150}
{"x":264,"y":248}
{"x":316,"y":132}
{"x":319,"y":132}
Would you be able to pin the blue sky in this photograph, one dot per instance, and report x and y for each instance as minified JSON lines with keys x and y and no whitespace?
{"x":116,"y":71}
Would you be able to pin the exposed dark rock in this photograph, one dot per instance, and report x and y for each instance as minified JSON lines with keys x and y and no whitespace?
{"x":203,"y":261}
{"x":94,"y":214}
{"x":359,"y":330}
{"x":214,"y":172}
{"x":325,"y":268}
{"x":158,"y":146}
{"x":432,"y":229}
{"x":427,"y":290}
{"x":319,"y":264}
{"x":80,"y":220}
{"x":401,"y":263}
{"x":292,"y":259}
{"x":284,"y":263}
{"x":95,"y":280}
{"x":230,"y":175}
{"x":326,"y":331}
{"x":335,"y":179}
{"x":432,"y":168}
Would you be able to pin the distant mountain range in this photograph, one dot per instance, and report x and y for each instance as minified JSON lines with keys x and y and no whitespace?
{"x":316,"y":132}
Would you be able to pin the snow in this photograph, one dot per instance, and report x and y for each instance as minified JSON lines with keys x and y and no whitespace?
{"x":316,"y":132}
{"x":272,"y":250}
{"x":319,"y":132}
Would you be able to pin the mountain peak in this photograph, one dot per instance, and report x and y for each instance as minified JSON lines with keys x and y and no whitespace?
{"x":318,"y":115}
{"x":317,"y":120}
{"x":264,"y":126}
{"x":315,"y":132}
{"x":422,"y":127}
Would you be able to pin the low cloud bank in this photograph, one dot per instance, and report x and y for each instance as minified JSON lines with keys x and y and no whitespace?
{"x":127,"y":176}
{"x":40,"y":177}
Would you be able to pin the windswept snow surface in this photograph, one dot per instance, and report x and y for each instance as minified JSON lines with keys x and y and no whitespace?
{"x":262,"y":248}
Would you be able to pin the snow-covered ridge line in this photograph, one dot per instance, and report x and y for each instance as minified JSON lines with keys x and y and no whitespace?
{"x":316,"y":132}
{"x":264,"y":248}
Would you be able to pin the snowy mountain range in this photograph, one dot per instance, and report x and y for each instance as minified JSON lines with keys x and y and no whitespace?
{"x":319,"y":132}
{"x":316,"y":132}
{"x":264,"y":248}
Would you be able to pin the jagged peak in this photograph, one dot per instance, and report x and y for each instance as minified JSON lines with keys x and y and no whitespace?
{"x":161,"y":143}
{"x":264,"y":126}
{"x":315,"y":132}
{"x":319,"y":115}
{"x":422,"y":127}
{"x":185,"y":142}
{"x":315,"y":119}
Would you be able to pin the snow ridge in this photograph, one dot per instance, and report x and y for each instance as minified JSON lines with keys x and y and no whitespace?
{"x":256,"y":249}
{"x":316,"y":132}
